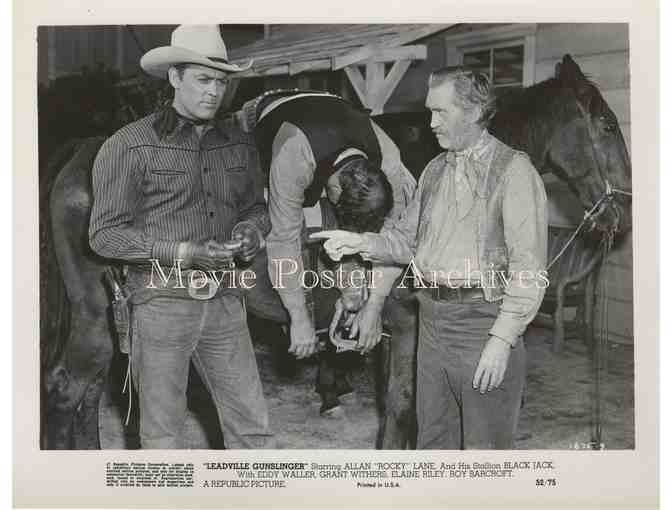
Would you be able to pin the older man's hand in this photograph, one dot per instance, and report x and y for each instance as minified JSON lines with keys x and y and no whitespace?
{"x":340,"y":243}
{"x":492,"y":365}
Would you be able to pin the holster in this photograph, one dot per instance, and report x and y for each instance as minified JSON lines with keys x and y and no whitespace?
{"x":120,"y":309}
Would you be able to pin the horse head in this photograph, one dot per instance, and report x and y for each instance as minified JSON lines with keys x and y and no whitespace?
{"x":587,"y":150}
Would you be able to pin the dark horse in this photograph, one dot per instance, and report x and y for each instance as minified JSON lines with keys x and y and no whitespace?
{"x":567,"y":128}
{"x":563,"y":123}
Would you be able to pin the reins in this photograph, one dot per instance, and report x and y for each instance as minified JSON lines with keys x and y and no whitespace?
{"x":607,"y":243}
{"x":590,"y":215}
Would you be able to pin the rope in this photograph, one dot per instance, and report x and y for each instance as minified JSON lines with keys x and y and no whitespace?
{"x":588,"y":215}
{"x":599,"y":349}
{"x":127,"y":384}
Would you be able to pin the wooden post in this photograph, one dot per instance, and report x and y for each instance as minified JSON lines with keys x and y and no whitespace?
{"x":303,"y":81}
{"x":374,"y":90}
{"x":375,"y":78}
{"x":355,"y":76}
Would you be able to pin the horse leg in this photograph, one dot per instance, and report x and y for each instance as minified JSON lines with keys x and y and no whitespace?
{"x":75,"y":384}
{"x":86,"y":424}
{"x":401,"y":318}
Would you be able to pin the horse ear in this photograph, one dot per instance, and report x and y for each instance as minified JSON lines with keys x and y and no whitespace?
{"x":570,"y":75}
{"x":568,"y":71}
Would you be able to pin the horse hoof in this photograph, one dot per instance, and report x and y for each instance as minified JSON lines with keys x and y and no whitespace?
{"x":344,"y":389}
{"x":330,"y":404}
{"x":333,"y":412}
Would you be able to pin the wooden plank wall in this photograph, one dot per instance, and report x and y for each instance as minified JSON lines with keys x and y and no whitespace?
{"x":72,"y":47}
{"x":602,"y":52}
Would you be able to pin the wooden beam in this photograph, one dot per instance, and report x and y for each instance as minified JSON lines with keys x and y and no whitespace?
{"x":264,"y":71}
{"x":375,"y":78}
{"x":350,"y":35}
{"x":390,"y":83}
{"x":357,"y":80}
{"x":311,"y":65}
{"x":404,"y":38}
{"x":353,"y":57}
{"x":348,"y":43}
{"x":286,"y":69}
{"x":415,"y":52}
{"x":376,"y":89}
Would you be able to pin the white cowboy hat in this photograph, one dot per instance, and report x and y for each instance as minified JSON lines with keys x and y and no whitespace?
{"x":191,"y":44}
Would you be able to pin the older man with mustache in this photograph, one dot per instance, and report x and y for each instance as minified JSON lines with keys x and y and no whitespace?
{"x":475,"y":235}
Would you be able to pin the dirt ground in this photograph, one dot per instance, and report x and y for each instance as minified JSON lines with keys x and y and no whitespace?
{"x":559,"y":410}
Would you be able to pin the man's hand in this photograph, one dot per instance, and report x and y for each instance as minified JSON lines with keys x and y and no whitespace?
{"x":207,"y":256}
{"x":249,"y":236}
{"x":492,"y":365}
{"x":303,"y":338}
{"x":369,"y":324}
{"x":340,"y":242}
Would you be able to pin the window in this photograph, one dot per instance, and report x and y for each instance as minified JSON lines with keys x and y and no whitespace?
{"x":503,"y":64}
{"x":505,"y":53}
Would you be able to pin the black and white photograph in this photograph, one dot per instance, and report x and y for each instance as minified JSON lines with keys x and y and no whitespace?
{"x":336,"y":256}
{"x":490,"y":306}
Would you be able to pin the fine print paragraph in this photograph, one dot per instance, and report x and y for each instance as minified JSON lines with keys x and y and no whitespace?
{"x":280,"y":475}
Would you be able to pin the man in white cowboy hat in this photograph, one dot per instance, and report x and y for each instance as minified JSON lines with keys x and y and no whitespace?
{"x":180,"y":190}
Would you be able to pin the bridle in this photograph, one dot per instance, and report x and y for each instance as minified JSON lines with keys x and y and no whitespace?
{"x":591,"y":214}
{"x":606,"y":244}
{"x":610,"y":191}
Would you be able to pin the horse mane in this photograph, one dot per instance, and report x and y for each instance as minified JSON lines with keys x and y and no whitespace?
{"x":524,"y":118}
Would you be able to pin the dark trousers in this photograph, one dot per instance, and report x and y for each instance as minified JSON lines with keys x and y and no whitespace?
{"x":452,"y":415}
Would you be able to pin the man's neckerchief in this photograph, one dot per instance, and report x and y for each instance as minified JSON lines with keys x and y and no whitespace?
{"x":169,"y":120}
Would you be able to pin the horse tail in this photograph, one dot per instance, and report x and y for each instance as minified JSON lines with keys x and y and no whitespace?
{"x":53,"y":299}
{"x":54,"y":303}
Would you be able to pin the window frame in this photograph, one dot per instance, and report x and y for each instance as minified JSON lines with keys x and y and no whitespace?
{"x":498,"y":37}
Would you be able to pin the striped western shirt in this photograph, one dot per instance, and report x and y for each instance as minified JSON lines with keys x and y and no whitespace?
{"x":156,"y":183}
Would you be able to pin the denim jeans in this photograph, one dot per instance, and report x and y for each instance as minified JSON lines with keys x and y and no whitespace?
{"x":452,"y":415}
{"x":167,"y":334}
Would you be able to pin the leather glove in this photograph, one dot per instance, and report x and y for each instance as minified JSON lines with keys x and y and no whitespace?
{"x":208,"y":256}
{"x":248,"y":234}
